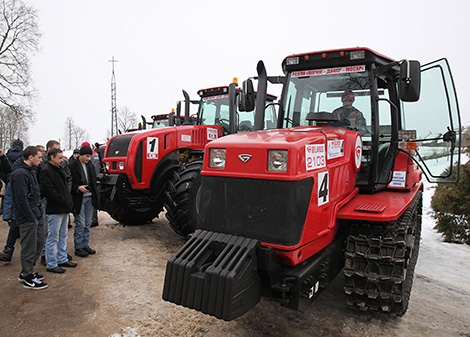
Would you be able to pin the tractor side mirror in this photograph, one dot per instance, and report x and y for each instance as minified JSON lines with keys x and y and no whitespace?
{"x":247,"y":98}
{"x":409,"y":83}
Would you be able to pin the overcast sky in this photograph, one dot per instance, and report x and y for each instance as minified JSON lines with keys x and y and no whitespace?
{"x":163,"y":47}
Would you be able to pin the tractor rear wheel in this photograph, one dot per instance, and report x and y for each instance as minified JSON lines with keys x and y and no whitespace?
{"x":380,"y":262}
{"x":180,"y":198}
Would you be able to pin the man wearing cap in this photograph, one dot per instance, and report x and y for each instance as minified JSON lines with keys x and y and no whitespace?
{"x":85,"y":196}
{"x":350,"y":114}
{"x":74,"y":156}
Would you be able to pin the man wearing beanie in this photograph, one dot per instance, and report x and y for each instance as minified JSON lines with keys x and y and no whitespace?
{"x":85,"y":196}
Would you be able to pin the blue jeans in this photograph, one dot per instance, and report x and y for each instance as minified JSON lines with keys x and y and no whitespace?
{"x":81,"y":234}
{"x":56,"y":242}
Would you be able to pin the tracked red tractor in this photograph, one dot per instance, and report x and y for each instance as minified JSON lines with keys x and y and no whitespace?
{"x":338,"y":186}
{"x":139,"y":164}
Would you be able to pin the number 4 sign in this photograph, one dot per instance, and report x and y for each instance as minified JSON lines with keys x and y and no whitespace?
{"x":323,"y":188}
{"x":152,"y":147}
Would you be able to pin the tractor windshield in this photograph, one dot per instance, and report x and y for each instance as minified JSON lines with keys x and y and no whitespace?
{"x":160,"y":124}
{"x":214,"y":110}
{"x":341,"y":91}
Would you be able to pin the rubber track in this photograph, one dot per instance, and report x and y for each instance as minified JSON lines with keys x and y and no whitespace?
{"x":380,"y":262}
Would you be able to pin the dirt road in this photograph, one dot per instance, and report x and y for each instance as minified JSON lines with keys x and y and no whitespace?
{"x":117,"y":292}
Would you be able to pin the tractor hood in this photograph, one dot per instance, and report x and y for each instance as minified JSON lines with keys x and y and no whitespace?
{"x":285,"y":154}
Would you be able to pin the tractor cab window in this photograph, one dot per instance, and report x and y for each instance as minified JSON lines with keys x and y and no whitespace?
{"x":215,"y":111}
{"x":160,"y":124}
{"x":345,"y":93}
{"x":246,"y":119}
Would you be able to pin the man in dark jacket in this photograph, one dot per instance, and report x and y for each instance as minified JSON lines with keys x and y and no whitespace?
{"x":16,"y":151}
{"x":58,"y":206}
{"x":26,"y":205}
{"x":85,"y":196}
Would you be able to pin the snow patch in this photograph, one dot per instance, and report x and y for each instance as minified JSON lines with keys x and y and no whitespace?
{"x":446,"y":263}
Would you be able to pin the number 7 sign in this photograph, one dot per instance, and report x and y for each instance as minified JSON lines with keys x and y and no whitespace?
{"x":152,"y":147}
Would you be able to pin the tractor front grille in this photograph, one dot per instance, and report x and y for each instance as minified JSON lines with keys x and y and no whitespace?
{"x":272,"y":211}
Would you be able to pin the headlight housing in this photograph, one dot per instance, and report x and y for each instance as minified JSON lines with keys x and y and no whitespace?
{"x":106,"y":165}
{"x":277,"y":160}
{"x":217,"y":158}
{"x":121,"y":166}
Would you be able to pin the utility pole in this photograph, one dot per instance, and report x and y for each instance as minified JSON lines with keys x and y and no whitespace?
{"x":114,"y":122}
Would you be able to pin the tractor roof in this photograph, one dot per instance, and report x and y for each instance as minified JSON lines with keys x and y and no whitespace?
{"x":334,"y":58}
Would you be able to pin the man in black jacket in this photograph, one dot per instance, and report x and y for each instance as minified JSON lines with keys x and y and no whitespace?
{"x":26,"y":205}
{"x":16,"y":151}
{"x":85,"y":196}
{"x":58,"y":206}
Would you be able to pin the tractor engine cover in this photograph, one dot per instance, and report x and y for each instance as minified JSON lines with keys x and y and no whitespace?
{"x":214,"y":273}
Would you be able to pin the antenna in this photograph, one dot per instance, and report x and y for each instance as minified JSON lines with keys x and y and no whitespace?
{"x":114,"y":123}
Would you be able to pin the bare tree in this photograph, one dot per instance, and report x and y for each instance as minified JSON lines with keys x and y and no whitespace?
{"x":74,"y":134}
{"x":13,"y":126}
{"x":19,"y":39}
{"x":126,"y":119}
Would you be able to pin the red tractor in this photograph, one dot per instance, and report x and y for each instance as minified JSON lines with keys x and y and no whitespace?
{"x":338,"y":186}
{"x":138,"y":165}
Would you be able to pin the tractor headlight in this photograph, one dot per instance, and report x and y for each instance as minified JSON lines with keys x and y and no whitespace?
{"x":121,"y":166}
{"x":217,"y":158}
{"x":277,"y":160}
{"x":106,"y":165}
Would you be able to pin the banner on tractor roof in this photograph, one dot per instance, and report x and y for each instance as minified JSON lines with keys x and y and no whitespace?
{"x":329,"y":71}
{"x":214,"y":97}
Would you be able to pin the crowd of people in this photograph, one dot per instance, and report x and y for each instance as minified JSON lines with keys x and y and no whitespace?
{"x":41,"y":189}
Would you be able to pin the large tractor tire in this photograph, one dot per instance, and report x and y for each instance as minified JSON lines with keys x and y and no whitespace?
{"x":180,"y":198}
{"x":380,"y":262}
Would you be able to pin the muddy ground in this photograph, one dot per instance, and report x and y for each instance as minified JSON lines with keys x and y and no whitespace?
{"x":117,"y":292}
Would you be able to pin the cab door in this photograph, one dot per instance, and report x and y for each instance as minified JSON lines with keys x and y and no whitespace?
{"x":436,"y":119}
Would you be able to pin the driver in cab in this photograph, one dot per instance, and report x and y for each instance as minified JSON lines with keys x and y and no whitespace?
{"x":349,"y":114}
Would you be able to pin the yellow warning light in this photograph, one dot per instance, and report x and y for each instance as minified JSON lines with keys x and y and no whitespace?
{"x":235,"y":80}
{"x":411,"y":145}
{"x":323,"y":55}
{"x":172,"y":109}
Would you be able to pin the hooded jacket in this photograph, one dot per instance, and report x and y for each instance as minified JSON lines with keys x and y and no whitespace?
{"x":14,"y":153}
{"x":25,"y":193}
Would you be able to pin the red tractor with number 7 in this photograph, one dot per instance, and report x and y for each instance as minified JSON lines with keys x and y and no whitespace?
{"x":338,"y":186}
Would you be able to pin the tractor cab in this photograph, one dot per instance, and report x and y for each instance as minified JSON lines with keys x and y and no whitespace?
{"x":214,"y":109}
{"x":160,"y":121}
{"x":378,"y":97}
